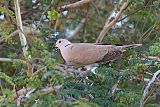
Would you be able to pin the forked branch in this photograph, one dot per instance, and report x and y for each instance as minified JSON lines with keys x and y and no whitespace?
{"x":111,"y":21}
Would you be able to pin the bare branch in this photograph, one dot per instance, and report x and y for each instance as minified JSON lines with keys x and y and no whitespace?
{"x":130,"y":14}
{"x":146,"y":33}
{"x":20,"y":28}
{"x":27,"y":31}
{"x":11,"y":60}
{"x":50,"y":89}
{"x":77,"y":29}
{"x":74,"y":5}
{"x":112,"y":20}
{"x":154,"y":58}
{"x":136,"y":11}
{"x":145,"y":92}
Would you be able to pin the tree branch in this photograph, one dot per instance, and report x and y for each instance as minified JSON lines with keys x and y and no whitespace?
{"x":145,"y":92}
{"x":146,"y":33}
{"x":77,"y":29}
{"x":20,"y":28}
{"x":74,"y":5}
{"x":109,"y":23}
{"x":27,"y":31}
{"x":11,"y":60}
{"x":131,"y":14}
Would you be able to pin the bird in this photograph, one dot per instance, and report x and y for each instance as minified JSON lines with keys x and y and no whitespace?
{"x":82,"y":54}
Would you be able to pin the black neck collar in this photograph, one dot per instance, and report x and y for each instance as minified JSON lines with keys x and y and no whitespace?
{"x":67,"y":45}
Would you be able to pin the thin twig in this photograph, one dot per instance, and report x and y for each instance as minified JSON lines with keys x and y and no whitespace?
{"x":98,"y":12}
{"x":44,"y":13}
{"x":77,"y":29}
{"x":27,"y":30}
{"x":133,"y":13}
{"x":147,"y":32}
{"x":130,"y":14}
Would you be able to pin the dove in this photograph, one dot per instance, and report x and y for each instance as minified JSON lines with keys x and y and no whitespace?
{"x":82,"y":54}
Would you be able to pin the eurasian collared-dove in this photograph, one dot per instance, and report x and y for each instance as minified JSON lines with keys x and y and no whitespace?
{"x":81,"y":54}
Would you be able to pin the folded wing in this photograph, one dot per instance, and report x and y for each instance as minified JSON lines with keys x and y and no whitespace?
{"x":85,"y":54}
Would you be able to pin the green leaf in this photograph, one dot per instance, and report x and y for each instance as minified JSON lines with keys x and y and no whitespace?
{"x":53,"y":15}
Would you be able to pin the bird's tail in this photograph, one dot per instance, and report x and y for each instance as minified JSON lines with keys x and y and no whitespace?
{"x":129,"y":46}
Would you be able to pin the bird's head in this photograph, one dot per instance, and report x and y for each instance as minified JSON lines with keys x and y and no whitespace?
{"x":62,"y":43}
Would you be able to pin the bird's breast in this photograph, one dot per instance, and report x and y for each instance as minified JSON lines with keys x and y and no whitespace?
{"x":66,"y":54}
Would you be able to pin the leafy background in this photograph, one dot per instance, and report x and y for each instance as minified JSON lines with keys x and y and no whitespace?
{"x":131,"y":74}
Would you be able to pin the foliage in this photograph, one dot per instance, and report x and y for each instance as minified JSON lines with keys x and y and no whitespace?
{"x":96,"y":88}
{"x":7,"y":78}
{"x":53,"y":15}
{"x":155,"y":49}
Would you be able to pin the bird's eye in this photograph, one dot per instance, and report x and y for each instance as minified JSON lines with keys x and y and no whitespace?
{"x":59,"y":41}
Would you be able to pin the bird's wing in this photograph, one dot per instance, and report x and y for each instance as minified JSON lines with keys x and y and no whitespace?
{"x":85,"y":53}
